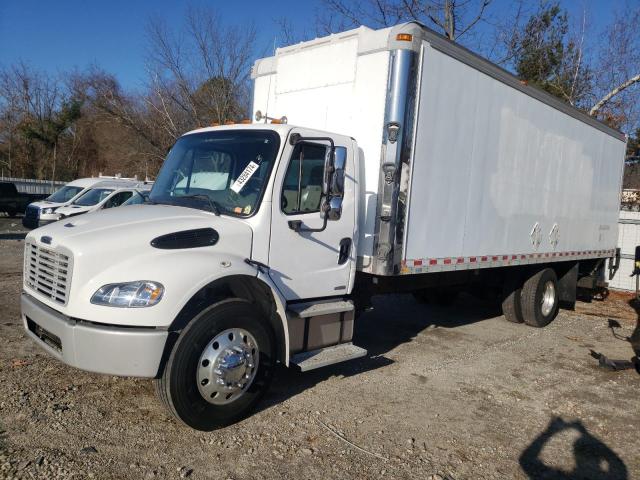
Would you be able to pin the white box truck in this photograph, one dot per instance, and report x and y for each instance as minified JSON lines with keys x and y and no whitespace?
{"x":408,"y":164}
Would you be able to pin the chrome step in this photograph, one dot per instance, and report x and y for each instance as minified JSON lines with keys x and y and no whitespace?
{"x":327,"y":356}
{"x":313,"y":309}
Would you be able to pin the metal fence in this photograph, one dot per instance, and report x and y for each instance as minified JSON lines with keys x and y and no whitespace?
{"x":628,"y":238}
{"x":30,"y":185}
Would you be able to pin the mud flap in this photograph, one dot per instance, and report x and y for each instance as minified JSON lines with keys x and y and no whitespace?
{"x":567,"y":284}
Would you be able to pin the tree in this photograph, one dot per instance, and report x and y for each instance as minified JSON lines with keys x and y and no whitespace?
{"x":453,"y":18}
{"x":616,"y":96}
{"x":48,"y":130}
{"x":545,"y":56}
{"x":27,"y":98}
{"x":201,"y":78}
{"x":633,"y":146}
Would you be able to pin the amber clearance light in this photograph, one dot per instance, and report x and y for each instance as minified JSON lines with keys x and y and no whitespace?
{"x":404,"y":37}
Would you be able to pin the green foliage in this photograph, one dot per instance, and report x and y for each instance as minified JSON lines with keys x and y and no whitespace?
{"x":545,"y":57}
{"x":48,"y":130}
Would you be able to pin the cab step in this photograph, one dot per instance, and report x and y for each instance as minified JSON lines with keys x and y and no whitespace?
{"x":315,"y":309}
{"x":322,"y":357}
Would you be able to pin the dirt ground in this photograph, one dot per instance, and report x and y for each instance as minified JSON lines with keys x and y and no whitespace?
{"x":454,"y":393}
{"x":11,"y":228}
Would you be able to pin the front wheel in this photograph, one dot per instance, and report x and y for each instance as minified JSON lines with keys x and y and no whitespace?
{"x":220,"y":366}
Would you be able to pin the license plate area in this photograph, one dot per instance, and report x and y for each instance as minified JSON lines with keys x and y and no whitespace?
{"x":45,"y":335}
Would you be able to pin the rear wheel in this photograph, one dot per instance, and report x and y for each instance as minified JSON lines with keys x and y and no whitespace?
{"x":512,"y":299}
{"x":220,"y":366}
{"x":539,"y":298}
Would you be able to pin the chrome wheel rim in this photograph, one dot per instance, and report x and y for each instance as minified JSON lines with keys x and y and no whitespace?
{"x":548,"y":298}
{"x":227,"y":366}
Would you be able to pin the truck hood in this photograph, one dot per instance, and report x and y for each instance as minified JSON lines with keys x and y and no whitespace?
{"x":114,"y":245}
{"x":130,"y":226}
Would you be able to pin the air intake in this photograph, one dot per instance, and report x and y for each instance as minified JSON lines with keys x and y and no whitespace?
{"x":200,"y":237}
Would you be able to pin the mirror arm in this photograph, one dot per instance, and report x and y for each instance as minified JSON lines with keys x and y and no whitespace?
{"x":296,"y":225}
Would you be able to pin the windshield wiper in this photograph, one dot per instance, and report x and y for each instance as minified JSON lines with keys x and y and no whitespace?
{"x":215,"y":208}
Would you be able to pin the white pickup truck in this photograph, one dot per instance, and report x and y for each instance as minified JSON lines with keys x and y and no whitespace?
{"x":261,"y":243}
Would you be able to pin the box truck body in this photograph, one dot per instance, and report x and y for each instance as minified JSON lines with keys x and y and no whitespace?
{"x":492,"y":171}
{"x":408,"y":164}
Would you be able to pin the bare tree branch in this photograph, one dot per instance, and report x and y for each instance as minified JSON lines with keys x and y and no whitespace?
{"x":603,"y":101}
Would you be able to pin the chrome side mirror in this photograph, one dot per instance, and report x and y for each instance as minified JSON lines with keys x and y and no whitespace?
{"x":336,"y":188}
{"x":328,"y":171}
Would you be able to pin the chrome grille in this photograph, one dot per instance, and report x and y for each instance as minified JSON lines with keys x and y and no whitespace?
{"x":48,"y":272}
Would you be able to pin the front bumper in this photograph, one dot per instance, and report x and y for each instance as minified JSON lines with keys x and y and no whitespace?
{"x":114,"y":350}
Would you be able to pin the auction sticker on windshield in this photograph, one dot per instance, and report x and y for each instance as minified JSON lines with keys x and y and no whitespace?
{"x":244,"y":177}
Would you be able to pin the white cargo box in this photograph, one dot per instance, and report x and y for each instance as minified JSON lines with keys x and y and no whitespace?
{"x":487,"y":171}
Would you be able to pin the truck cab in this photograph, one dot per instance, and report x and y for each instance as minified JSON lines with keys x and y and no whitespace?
{"x":246,"y":227}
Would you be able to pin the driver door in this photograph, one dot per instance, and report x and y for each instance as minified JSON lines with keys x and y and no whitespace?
{"x":311,"y":264}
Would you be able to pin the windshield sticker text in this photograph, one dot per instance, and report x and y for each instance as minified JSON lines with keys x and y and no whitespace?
{"x":244,"y":177}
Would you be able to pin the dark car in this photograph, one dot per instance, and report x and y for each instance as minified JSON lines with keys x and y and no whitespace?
{"x":12,"y":201}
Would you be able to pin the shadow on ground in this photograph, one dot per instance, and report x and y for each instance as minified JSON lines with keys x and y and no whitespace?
{"x":594,"y":460}
{"x":395,"y":320}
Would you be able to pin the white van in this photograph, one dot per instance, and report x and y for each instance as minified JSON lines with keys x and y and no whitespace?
{"x":106,"y":194}
{"x":45,"y":211}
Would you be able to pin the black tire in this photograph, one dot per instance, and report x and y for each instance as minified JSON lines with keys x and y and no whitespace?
{"x":512,"y":299}
{"x":532,"y":297}
{"x":12,"y":213}
{"x":177,"y":388}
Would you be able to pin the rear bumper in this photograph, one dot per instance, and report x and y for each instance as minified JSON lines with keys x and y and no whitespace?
{"x":131,"y":352}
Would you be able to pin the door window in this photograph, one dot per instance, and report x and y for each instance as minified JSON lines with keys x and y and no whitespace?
{"x":118,"y":199}
{"x":302,"y":189}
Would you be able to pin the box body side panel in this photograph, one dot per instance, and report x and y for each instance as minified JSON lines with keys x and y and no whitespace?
{"x":492,"y":165}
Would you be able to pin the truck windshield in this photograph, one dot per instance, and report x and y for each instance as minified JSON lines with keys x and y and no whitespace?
{"x":93,"y":197}
{"x":64,"y":194}
{"x":224,"y":171}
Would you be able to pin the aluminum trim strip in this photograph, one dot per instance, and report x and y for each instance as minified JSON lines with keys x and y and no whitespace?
{"x":428,"y":265}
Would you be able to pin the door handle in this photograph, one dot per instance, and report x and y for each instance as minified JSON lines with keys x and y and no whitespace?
{"x":345,"y":250}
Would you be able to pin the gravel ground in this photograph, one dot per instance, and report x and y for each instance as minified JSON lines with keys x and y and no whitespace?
{"x":453,"y":393}
{"x":11,"y":227}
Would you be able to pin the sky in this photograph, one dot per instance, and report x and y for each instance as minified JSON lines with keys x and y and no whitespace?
{"x":57,"y":36}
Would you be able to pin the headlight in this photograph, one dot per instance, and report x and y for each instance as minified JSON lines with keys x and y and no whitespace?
{"x":142,"y":293}
{"x":48,"y":210}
